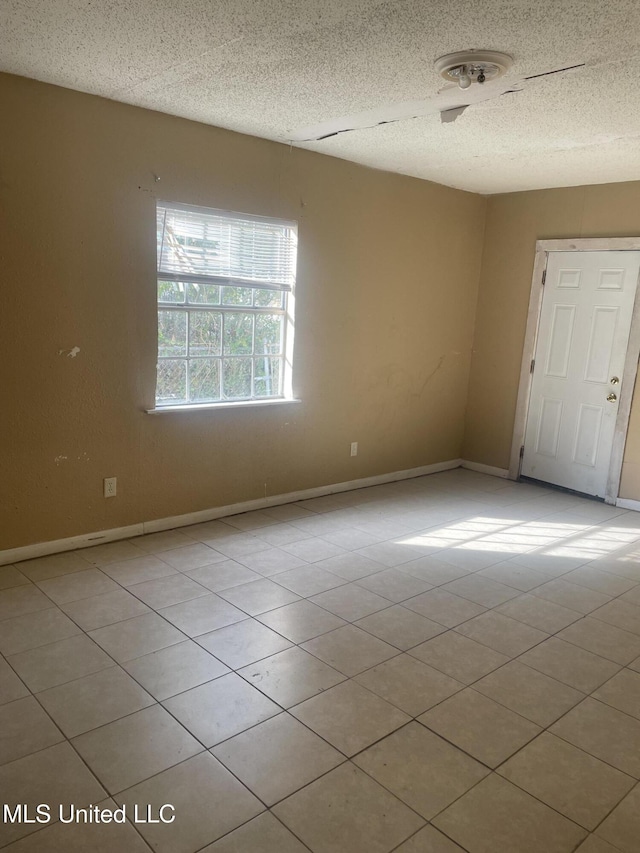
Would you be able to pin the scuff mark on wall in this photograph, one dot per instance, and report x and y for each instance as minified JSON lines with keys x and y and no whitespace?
{"x":59,"y":459}
{"x":70,"y":353}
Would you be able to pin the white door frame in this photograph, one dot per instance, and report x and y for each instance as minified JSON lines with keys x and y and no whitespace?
{"x":597,"y":244}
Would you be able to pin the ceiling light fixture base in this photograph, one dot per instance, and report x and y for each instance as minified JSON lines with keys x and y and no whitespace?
{"x":473,"y":66}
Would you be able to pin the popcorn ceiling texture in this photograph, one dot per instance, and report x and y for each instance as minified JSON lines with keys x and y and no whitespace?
{"x":267,"y":68}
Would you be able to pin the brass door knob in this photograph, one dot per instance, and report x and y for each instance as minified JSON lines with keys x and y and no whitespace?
{"x":611,"y":398}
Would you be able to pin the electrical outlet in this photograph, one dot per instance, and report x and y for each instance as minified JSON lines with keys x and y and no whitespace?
{"x":354,"y":448}
{"x":110,"y":487}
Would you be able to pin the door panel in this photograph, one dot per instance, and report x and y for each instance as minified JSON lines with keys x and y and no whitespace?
{"x":581,"y":347}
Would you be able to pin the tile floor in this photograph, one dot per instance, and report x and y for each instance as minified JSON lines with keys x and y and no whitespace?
{"x":450,"y":663}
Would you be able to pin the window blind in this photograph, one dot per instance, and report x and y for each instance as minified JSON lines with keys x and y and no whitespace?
{"x":196,"y":244}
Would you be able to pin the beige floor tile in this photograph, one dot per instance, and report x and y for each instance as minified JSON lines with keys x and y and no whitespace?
{"x":350,"y":650}
{"x":409,"y":684}
{"x":291,"y":676}
{"x":570,"y":664}
{"x":603,"y":639}
{"x":287,"y":512}
{"x":25,"y":728}
{"x":221,"y":708}
{"x":301,"y":621}
{"x":11,"y":577}
{"x":94,"y":700}
{"x":274,"y":561}
{"x":633,"y":595}
{"x":394,"y":584}
{"x":551,"y":564}
{"x":351,"y":538}
{"x":569,"y":780}
{"x":175,"y":669}
{"x":244,"y":642}
{"x":54,"y":776}
{"x":137,"y":570}
{"x":400,"y":627}
{"x":22,"y":599}
{"x":433,"y":571}
{"x":258,"y":596}
{"x":622,"y":827}
{"x":165,"y":540}
{"x":54,"y":565}
{"x":481,"y":590}
{"x":429,"y":840}
{"x":539,"y":613}
{"x":263,"y":834}
{"x":512,"y":574}
{"x":391,"y":553}
{"x":252,"y":520}
{"x":313,"y":550}
{"x":469,"y":558}
{"x":189,"y":557}
{"x":101,"y":610}
{"x":351,"y":601}
{"x":77,"y":585}
{"x":208,"y":802}
{"x":34,"y":629}
{"x":350,"y":717}
{"x":281,"y":534}
{"x":347,"y":811}
{"x":459,"y":657}
{"x":277,"y":757}
{"x":497,"y":816}
{"x":163,"y":592}
{"x":201,"y":615}
{"x":308,"y":580}
{"x":605,"y":582}
{"x":223,"y":575}
{"x":112,"y":552}
{"x":571,"y":595}
{"x":604,"y":732}
{"x":622,"y":692}
{"x":59,"y":662}
{"x":528,"y":692}
{"x":11,"y":688}
{"x":444,"y":607}
{"x":80,"y":837}
{"x":136,"y":637}
{"x":236,"y":546}
{"x":621,"y":614}
{"x":593,"y":844}
{"x":478,"y":725}
{"x":131,"y":749}
{"x":501,"y":633}
{"x":352,"y":567}
{"x":421,"y":769}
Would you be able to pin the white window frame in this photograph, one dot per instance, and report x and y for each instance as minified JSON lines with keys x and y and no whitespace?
{"x":286,"y":311}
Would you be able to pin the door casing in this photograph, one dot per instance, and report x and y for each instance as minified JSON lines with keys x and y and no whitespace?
{"x":543,"y":248}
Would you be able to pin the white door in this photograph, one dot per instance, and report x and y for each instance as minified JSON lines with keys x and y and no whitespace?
{"x":582,"y":341}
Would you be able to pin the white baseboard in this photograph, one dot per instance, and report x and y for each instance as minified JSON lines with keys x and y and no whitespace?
{"x":42,"y":549}
{"x":85,"y":540}
{"x":627,"y":503}
{"x":485,"y":469}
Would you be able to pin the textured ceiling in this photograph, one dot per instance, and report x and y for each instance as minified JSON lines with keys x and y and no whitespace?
{"x":270,"y":67}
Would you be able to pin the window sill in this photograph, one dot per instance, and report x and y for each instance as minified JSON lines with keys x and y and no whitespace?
{"x":242,"y":404}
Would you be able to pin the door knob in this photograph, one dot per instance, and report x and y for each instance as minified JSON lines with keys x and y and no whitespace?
{"x":614,"y":380}
{"x":611,"y":398}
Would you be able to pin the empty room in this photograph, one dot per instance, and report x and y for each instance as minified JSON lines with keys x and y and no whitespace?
{"x":320,"y":437}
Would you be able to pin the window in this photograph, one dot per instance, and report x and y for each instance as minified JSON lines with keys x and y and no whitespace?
{"x":225,"y":306}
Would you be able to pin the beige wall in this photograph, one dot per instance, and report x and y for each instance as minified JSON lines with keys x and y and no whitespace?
{"x":387,"y":287}
{"x":513,"y":224}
